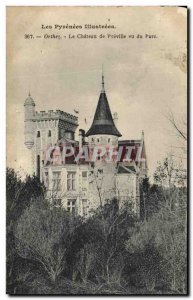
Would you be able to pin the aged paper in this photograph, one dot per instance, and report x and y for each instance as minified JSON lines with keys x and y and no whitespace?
{"x":113,"y":82}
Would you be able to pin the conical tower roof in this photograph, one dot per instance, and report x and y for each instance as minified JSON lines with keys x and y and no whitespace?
{"x":29,"y":100}
{"x":103,"y":122}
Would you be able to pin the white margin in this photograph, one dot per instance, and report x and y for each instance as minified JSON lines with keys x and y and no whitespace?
{"x":3,"y":4}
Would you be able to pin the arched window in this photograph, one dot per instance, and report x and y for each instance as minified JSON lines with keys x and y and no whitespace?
{"x":38,"y":133}
{"x":49,"y":133}
{"x":98,"y":140}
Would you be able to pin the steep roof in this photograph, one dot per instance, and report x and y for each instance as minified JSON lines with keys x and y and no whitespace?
{"x":29,"y":101}
{"x":136,"y":144}
{"x":103,"y":121}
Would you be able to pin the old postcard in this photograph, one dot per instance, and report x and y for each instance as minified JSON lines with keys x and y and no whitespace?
{"x":96,"y":150}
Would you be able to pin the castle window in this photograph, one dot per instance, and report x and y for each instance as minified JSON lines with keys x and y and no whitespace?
{"x":57,"y":202}
{"x":109,"y":140}
{"x":38,"y":133}
{"x":56,"y":181}
{"x":46,"y":179}
{"x":49,"y":133}
{"x":71,"y":205}
{"x":84,"y":207}
{"x":71,"y":181}
{"x":92,"y":139}
{"x":38,"y":166}
{"x":84,"y":181}
{"x":98,"y":140}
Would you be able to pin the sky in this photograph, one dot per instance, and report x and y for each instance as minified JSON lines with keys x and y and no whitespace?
{"x":145,"y":79}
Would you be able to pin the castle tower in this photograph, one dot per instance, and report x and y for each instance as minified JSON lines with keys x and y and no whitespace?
{"x":29,"y":111}
{"x":103,"y":130}
{"x":43,"y":130}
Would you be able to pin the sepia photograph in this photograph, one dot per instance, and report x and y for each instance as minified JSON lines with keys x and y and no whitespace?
{"x":96,"y":146}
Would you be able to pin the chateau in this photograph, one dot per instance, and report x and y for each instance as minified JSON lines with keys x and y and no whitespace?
{"x":72,"y":177}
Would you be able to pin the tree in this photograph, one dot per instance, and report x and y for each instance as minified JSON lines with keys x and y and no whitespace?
{"x":19,"y":195}
{"x":43,"y":235}
{"x":165,"y":232}
{"x":181,"y":129}
{"x":104,"y":246}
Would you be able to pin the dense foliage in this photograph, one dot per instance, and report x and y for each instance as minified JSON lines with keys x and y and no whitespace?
{"x":49,"y":251}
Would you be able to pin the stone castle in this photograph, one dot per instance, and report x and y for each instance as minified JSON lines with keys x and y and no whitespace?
{"x":81,"y":186}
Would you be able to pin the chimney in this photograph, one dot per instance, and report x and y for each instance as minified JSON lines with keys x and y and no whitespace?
{"x":81,"y":137}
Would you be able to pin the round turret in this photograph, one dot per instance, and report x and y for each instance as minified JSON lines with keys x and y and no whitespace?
{"x":29,"y":101}
{"x":103,"y":123}
{"x":29,"y":108}
{"x":103,"y":130}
